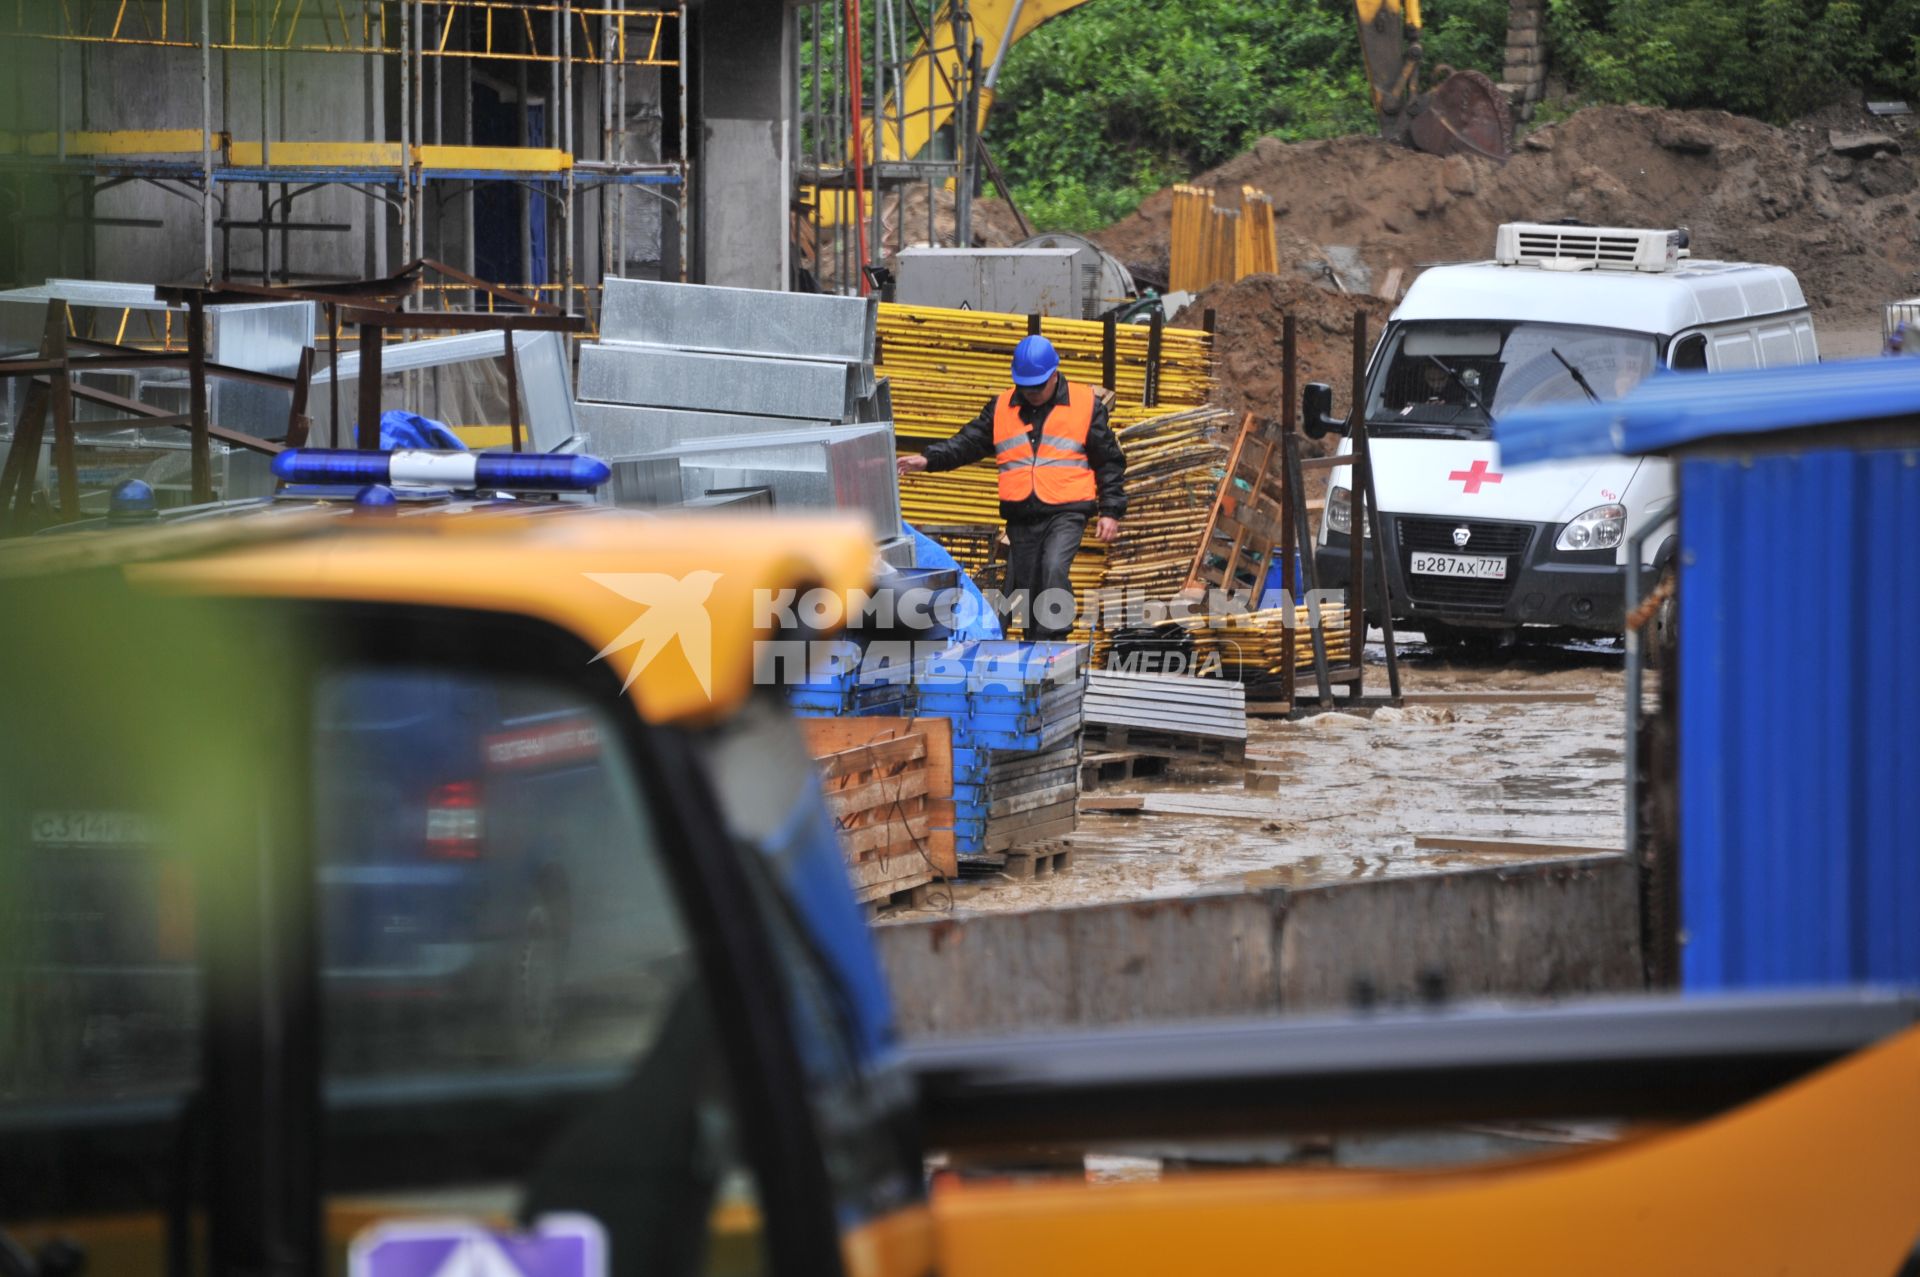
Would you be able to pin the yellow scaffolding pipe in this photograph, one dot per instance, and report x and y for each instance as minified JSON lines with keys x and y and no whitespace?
{"x":172,"y":27}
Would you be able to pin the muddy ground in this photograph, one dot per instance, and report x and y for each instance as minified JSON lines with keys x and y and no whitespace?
{"x":1356,"y":791}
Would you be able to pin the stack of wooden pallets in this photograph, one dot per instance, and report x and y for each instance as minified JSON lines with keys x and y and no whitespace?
{"x":888,"y":784}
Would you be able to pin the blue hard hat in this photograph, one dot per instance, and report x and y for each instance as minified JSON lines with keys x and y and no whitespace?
{"x":1034,"y":360}
{"x":132,"y":501}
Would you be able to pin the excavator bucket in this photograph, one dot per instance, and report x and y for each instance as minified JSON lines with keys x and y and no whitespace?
{"x":1466,"y":112}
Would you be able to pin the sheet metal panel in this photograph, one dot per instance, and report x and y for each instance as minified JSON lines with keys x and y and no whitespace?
{"x":622,"y":430}
{"x":1168,"y":703}
{"x":643,"y":481}
{"x":1800,"y":814}
{"x":841,"y":468}
{"x":1013,"y":281}
{"x":660,"y":378}
{"x":742,"y":321}
{"x":546,"y":381}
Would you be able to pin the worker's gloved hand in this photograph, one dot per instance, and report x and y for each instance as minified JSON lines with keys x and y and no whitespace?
{"x":1106,"y":530}
{"x":910,"y":463}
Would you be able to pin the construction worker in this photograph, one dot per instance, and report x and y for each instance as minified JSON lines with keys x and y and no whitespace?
{"x":1059,"y":466}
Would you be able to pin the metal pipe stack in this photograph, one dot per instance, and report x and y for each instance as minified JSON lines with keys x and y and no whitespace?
{"x":1163,"y":705}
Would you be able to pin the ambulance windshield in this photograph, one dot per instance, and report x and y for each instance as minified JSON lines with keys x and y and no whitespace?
{"x":1451,"y":379}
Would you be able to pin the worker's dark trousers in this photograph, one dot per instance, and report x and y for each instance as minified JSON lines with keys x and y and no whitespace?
{"x":1040,"y":559}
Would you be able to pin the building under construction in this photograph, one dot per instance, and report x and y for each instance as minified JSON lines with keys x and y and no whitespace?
{"x":538,"y":144}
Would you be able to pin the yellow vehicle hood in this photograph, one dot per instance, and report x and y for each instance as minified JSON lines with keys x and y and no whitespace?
{"x":674,"y":604}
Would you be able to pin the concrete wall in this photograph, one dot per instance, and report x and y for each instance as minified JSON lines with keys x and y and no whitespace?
{"x":1538,"y":929}
{"x":1525,"y":73}
{"x":746,"y":58}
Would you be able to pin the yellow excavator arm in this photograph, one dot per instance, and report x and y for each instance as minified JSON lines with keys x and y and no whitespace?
{"x":926,"y":102}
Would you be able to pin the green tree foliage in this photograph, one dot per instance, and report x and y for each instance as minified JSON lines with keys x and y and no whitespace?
{"x":1774,"y":59}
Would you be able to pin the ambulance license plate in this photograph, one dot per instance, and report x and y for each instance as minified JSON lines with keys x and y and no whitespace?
{"x":1480,"y":567}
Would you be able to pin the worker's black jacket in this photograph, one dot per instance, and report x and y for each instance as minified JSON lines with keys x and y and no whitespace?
{"x":974,"y":441}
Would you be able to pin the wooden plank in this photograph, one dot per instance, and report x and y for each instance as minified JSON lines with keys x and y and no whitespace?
{"x":860,"y":842}
{"x":878,"y":756}
{"x":1113,"y":805}
{"x":864,"y":803}
{"x":1508,"y":847}
{"x":889,"y":868}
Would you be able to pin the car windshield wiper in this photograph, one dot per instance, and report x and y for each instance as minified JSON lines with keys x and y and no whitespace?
{"x":1465,"y":389}
{"x":1579,"y":378}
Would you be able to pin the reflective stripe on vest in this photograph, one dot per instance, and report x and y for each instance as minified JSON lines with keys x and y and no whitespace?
{"x":1058,"y":472}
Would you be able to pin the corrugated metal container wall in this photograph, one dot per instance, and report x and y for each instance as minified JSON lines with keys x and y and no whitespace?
{"x":1799,"y":752}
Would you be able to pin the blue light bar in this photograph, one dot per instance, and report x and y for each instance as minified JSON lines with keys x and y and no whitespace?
{"x":430,"y":468}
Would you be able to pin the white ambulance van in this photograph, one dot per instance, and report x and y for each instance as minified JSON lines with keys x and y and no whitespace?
{"x":1563,"y":313}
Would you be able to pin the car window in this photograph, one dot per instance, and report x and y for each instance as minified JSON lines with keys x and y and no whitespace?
{"x":832,"y":986}
{"x":137,"y":766}
{"x":515,"y":1023}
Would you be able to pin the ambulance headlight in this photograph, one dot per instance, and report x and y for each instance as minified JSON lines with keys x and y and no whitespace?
{"x":1601,"y":528}
{"x":1340,"y":512}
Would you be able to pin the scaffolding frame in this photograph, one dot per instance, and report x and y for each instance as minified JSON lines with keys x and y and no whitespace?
{"x":406,"y":176}
{"x":859,"y":130}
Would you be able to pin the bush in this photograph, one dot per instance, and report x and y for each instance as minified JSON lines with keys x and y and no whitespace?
{"x":1774,"y":59}
{"x":1114,"y":100}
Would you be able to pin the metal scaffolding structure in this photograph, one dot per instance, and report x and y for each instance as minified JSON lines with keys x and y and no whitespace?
{"x":877,"y":98}
{"x":418,"y":177}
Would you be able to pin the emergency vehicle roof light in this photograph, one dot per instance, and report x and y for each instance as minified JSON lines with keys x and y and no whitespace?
{"x":427,"y":468}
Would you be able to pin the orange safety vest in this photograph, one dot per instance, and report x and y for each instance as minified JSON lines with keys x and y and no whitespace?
{"x":1059,"y":472}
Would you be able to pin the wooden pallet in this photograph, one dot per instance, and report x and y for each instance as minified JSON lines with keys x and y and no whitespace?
{"x":1038,"y":860}
{"x":888,"y":783}
{"x":1034,"y":860}
{"x":1116,"y":767}
{"x":1138,"y":740}
{"x":922,"y":896}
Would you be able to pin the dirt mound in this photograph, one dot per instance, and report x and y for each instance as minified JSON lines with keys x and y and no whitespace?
{"x":1845,"y":223}
{"x":1248,"y":323}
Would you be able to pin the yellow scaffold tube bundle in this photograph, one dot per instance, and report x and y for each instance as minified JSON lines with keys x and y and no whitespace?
{"x":1174,"y":464}
{"x":1211,"y":245}
{"x":1259,"y":644}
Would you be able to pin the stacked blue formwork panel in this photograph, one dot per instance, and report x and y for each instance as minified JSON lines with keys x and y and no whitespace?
{"x":1016,"y":714}
{"x":1799,"y":695}
{"x":871,"y":670}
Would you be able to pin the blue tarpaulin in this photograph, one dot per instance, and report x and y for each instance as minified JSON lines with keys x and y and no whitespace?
{"x":411,"y":430}
{"x":976,"y":619}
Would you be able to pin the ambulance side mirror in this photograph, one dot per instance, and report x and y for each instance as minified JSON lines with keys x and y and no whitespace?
{"x":1316,"y":412}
